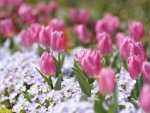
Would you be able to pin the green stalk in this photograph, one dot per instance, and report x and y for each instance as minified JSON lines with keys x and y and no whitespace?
{"x":51,"y":82}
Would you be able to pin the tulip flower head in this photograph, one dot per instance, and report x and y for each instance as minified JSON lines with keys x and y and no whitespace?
{"x":146,"y":71}
{"x":145,"y":98}
{"x":47,"y":64}
{"x":90,"y":61}
{"x":134,"y":66}
{"x":106,"y":80}
{"x":57,"y":24}
{"x":58,"y":41}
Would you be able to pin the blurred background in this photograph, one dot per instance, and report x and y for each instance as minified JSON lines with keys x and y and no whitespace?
{"x":126,"y":9}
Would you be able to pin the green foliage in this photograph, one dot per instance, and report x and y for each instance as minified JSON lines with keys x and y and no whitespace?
{"x":58,"y":83}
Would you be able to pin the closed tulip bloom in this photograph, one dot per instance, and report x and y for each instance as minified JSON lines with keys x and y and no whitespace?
{"x":90,"y":61}
{"x":84,"y":16}
{"x":113,"y":24}
{"x":146,"y":71}
{"x":104,"y":43}
{"x":125,"y":47}
{"x":145,"y":98}
{"x":45,"y":36}
{"x":58,"y":41}
{"x":73,"y":15}
{"x":101,"y":26}
{"x":138,"y":49}
{"x":57,"y":24}
{"x":106,"y":80}
{"x":26,"y":13}
{"x":82,"y":33}
{"x":47,"y":64}
{"x":42,"y":7}
{"x":134,"y":66}
{"x":53,"y":6}
{"x":7,"y":27}
{"x":35,"y":30}
{"x":26,"y":38}
{"x":119,"y":38}
{"x":136,"y":30}
{"x":2,"y":4}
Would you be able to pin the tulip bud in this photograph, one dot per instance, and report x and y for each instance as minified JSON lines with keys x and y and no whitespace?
{"x":106,"y":80}
{"x":47,"y":64}
{"x":145,"y":98}
{"x":84,"y":16}
{"x":45,"y":36}
{"x":53,"y":6}
{"x":26,"y":38}
{"x":125,"y":47}
{"x":104,"y":43}
{"x":138,"y":49}
{"x":7,"y":27}
{"x":136,"y":30}
{"x":2,"y":4}
{"x":35,"y":31}
{"x":90,"y":61}
{"x":101,"y":26}
{"x":134,"y":66}
{"x":146,"y":71}
{"x":120,"y":38}
{"x":42,"y":7}
{"x":82,"y":33}
{"x":58,"y":41}
{"x":73,"y":15}
{"x":57,"y":24}
{"x":26,"y":13}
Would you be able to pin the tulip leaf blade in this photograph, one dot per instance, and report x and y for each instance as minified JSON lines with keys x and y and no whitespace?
{"x":84,"y":85}
{"x":44,"y":77}
{"x":58,"y":83}
{"x":27,"y":95}
{"x":98,"y":107}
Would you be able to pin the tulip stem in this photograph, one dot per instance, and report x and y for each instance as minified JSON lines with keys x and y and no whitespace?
{"x":107,"y":60}
{"x":51,"y":82}
{"x":59,"y":60}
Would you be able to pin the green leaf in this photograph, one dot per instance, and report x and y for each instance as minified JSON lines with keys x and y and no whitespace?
{"x":27,"y":95}
{"x":146,"y":45}
{"x":85,"y":86}
{"x":114,"y":104}
{"x":98,"y":107}
{"x":140,"y":82}
{"x":44,"y":77}
{"x":71,"y":74}
{"x":91,"y":80}
{"x":83,"y":98}
{"x":58,"y":83}
{"x":23,"y":111}
{"x":62,"y":60}
{"x":58,"y":71}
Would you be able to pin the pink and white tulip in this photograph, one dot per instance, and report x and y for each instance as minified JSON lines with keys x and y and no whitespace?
{"x":82,"y":33}
{"x":7,"y":27}
{"x":57,"y":24}
{"x":101,"y":26}
{"x":136,"y":30}
{"x":104,"y":43}
{"x":120,"y":38}
{"x":47,"y":64}
{"x":58,"y":41}
{"x":90,"y":61}
{"x":84,"y":16}
{"x":106,"y":80}
{"x":134,"y":66}
{"x":145,"y":98}
{"x":146,"y":71}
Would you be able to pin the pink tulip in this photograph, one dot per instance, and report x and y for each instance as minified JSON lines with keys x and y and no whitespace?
{"x":7,"y":27}
{"x":58,"y":41}
{"x":2,"y":4}
{"x":101,"y":26}
{"x":26,"y":13}
{"x":90,"y":61}
{"x":57,"y":24}
{"x":136,"y":30}
{"x":45,"y":36}
{"x":84,"y":16}
{"x":146,"y":71}
{"x":47,"y":64}
{"x":53,"y":6}
{"x":145,"y":98}
{"x":113,"y":24}
{"x":120,"y":38}
{"x":106,"y":80}
{"x":82,"y":33}
{"x":104,"y":43}
{"x":35,"y":31}
{"x":14,"y":3}
{"x":138,"y":49}
{"x":73,"y":15}
{"x":26,"y":38}
{"x":42,"y":7}
{"x":134,"y":66}
{"x":125,"y":47}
